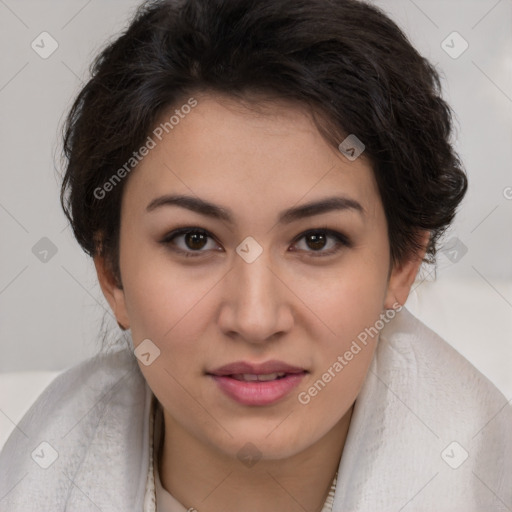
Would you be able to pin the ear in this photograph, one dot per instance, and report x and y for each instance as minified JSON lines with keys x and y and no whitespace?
{"x":403,"y":275}
{"x":112,"y":291}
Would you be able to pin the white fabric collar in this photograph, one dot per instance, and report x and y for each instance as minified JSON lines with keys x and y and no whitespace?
{"x":421,"y":408}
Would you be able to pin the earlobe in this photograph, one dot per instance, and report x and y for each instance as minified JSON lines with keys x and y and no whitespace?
{"x":403,"y":276}
{"x":112,"y":291}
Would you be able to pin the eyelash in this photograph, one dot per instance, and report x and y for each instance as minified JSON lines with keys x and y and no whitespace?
{"x":341,"y":239}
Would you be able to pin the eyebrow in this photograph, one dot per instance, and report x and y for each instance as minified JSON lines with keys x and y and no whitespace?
{"x":208,"y":209}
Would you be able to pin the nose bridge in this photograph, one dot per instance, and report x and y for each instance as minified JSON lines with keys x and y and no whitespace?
{"x":255,"y":299}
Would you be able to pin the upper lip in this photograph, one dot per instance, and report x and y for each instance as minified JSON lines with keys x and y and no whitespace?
{"x":265,"y":368}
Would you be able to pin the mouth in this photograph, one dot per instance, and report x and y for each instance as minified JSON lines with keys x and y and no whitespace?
{"x":253,"y":377}
{"x":257,"y":385}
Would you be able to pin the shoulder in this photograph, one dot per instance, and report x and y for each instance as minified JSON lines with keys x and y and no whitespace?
{"x":461,"y":407}
{"x":87,"y":382}
{"x":431,"y":364}
{"x":92,"y":415}
{"x":426,"y":423}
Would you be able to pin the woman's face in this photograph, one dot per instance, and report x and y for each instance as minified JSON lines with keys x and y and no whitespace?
{"x":259,"y":276}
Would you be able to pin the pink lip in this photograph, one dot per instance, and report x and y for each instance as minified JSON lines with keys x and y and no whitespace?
{"x":272,"y":366}
{"x":257,"y":392}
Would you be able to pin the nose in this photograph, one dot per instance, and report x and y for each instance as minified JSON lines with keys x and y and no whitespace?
{"x":256,"y":303}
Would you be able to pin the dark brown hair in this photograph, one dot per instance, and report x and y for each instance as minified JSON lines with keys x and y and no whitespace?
{"x":344,"y":60}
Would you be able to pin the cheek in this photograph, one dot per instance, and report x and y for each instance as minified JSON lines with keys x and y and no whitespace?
{"x":343,"y":353}
{"x":346,"y":298}
{"x":172,"y":308}
{"x":160,"y":295}
{"x":349,"y":304}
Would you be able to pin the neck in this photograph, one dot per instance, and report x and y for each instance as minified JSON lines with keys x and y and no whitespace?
{"x":205,"y":480}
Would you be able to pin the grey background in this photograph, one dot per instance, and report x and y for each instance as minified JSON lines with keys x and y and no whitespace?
{"x":51,"y":312}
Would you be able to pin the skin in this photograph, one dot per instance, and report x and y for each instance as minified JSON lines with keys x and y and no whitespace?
{"x":289,"y":304}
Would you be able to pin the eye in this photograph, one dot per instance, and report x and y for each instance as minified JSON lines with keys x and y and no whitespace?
{"x":193,"y":240}
{"x":316,"y":240}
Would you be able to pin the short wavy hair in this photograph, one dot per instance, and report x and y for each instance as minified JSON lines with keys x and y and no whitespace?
{"x":345,"y":61}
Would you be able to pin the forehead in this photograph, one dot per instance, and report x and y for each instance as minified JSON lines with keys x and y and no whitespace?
{"x":267,"y":155}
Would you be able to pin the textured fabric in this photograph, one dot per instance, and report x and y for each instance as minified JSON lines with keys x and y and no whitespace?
{"x":422,"y":408}
{"x":428,"y":432}
{"x":93,"y":417}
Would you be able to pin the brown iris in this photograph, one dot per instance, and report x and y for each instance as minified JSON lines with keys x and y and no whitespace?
{"x":195,"y":240}
{"x":316,"y":241}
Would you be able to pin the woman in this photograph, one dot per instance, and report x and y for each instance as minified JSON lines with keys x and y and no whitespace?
{"x":258,"y":185}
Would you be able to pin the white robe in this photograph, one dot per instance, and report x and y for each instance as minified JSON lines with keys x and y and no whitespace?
{"x":428,"y":433}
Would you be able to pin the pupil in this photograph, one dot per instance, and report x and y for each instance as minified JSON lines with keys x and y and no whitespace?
{"x":318,"y":241}
{"x":195,"y":240}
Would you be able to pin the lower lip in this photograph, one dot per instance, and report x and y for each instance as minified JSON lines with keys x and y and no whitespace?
{"x":258,"y":392}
